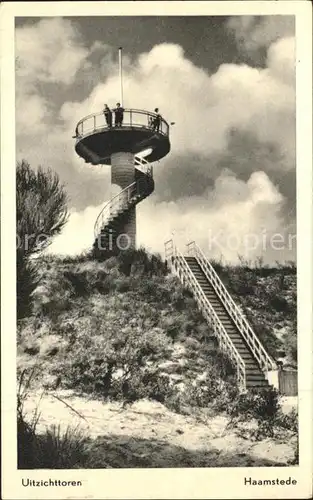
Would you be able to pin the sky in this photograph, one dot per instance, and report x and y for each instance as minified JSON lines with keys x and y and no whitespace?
{"x":228,"y":83}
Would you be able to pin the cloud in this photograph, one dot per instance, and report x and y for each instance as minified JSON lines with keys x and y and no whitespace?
{"x":47,"y":53}
{"x":78,"y":234}
{"x":232,"y":160}
{"x":50,"y":59}
{"x":204,"y":107}
{"x":50,"y":49}
{"x":32,"y":111}
{"x":255,"y":32}
{"x":52,"y":62}
{"x":222,"y":221}
{"x":281,"y":60}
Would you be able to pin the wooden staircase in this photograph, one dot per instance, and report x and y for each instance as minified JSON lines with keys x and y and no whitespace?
{"x":231,"y":328}
{"x":254,"y":375}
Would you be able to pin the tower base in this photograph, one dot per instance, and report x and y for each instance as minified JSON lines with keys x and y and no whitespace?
{"x":123,"y":175}
{"x":120,"y":233}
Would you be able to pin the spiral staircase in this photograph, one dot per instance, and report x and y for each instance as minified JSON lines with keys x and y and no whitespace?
{"x":114,"y":215}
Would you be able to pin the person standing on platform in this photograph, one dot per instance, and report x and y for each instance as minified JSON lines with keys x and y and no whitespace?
{"x":157,"y":120}
{"x":108,"y":115}
{"x":119,"y":115}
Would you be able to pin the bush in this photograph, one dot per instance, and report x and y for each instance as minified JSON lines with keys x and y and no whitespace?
{"x":256,"y":403}
{"x":76,"y":259}
{"x":264,"y":407}
{"x":112,"y":363}
{"x":140,"y":262}
{"x":27,"y":281}
{"x":139,"y":384}
{"x":80,"y":284}
{"x":288,"y":421}
{"x":226,"y":398}
{"x":268,"y":339}
{"x":41,"y":213}
{"x":221,"y":364}
{"x":173,"y":325}
{"x":208,"y":393}
{"x":40,"y":207}
{"x":279,"y":303}
{"x":291,"y":342}
{"x":26,"y":437}
{"x":53,"y":304}
{"x":122,"y":284}
{"x":52,"y":449}
{"x":86,"y":282}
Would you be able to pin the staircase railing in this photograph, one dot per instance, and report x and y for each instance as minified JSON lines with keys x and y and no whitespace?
{"x":120,"y":201}
{"x":262,"y":357}
{"x":144,"y":165}
{"x":179,"y":265}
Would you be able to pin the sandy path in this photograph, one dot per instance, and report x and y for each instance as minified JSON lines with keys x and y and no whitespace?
{"x":148,"y":434}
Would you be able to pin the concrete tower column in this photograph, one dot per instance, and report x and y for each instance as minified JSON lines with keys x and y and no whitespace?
{"x":123,"y":174}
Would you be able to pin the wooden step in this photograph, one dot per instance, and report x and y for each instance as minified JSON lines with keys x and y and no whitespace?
{"x":245,"y":355}
{"x":261,"y":383}
{"x":235,"y":335}
{"x":255,"y":377}
{"x":240,"y":346}
{"x":227,"y":323}
{"x":219,"y":307}
{"x":247,"y":358}
{"x":238,"y":343}
{"x":243,"y":351}
{"x":221,"y":312}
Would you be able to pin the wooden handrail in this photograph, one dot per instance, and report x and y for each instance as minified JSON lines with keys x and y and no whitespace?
{"x":179,"y":264}
{"x":262,"y":357}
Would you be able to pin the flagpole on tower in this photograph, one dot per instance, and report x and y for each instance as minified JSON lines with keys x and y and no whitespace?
{"x":121,"y":74}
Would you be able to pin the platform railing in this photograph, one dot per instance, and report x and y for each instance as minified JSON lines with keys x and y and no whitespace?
{"x":132,"y":118}
{"x":264,"y":360}
{"x":121,"y":201}
{"x":179,"y":265}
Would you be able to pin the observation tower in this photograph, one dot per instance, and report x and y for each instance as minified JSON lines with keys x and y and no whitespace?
{"x":130,"y":147}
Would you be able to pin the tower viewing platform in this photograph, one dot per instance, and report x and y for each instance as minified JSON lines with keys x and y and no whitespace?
{"x":128,"y":140}
{"x":96,"y":141}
